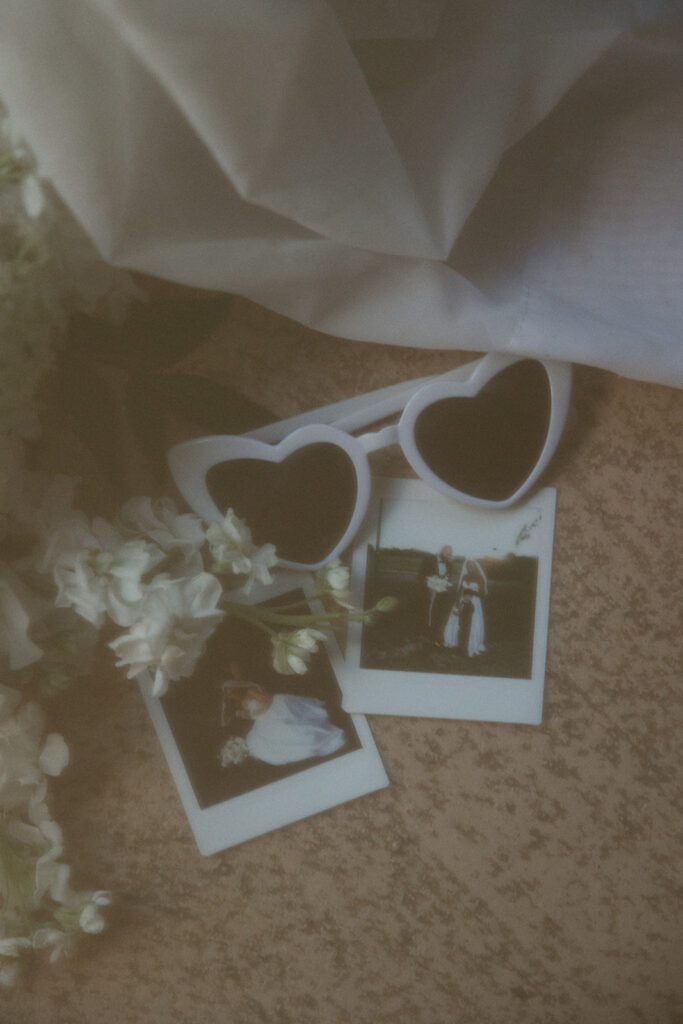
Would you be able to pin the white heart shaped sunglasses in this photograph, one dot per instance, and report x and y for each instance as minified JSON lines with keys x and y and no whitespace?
{"x":481,"y":434}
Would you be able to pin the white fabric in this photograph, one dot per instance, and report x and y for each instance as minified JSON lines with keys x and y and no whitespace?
{"x":451,"y":632}
{"x":293,"y":729}
{"x":475,"y":642}
{"x":439,"y":173}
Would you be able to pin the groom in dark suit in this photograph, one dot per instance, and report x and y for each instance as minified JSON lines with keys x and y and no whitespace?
{"x":437,"y":574}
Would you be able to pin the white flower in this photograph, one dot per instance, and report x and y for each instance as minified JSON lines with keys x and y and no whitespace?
{"x":60,"y":943}
{"x":13,"y":946}
{"x":175,"y":621}
{"x":292,"y":650}
{"x":80,"y":911}
{"x":53,"y":877}
{"x":97,"y":572}
{"x":230,"y":543}
{"x":20,"y":743}
{"x":90,"y":919}
{"x":175,"y":533}
{"x":263,"y":559}
{"x":333,"y":580}
{"x":233,"y":550}
{"x":11,"y":949}
{"x":32,"y":195}
{"x":54,"y":757}
{"x":36,"y":884}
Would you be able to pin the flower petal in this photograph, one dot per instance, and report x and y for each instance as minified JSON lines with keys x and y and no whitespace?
{"x":54,"y":757}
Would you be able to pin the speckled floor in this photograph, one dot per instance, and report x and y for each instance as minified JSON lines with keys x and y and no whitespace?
{"x":508,"y":874}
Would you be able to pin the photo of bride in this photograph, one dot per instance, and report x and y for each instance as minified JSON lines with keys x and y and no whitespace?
{"x":240,"y":725}
{"x":284,"y":728}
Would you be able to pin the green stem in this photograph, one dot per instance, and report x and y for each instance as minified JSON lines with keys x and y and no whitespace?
{"x":257,"y":613}
{"x":261,"y":625}
{"x":315,"y":595}
{"x":294,"y":604}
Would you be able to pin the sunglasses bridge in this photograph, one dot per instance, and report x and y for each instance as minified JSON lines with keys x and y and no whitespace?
{"x":378,"y":439}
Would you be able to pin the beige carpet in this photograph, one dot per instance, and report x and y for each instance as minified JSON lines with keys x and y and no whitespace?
{"x":509,"y":873}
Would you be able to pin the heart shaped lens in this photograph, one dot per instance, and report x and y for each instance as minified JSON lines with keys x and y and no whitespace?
{"x":486,"y":446}
{"x":303,"y":505}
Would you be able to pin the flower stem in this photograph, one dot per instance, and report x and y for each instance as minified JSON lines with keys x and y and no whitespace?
{"x":257,"y":613}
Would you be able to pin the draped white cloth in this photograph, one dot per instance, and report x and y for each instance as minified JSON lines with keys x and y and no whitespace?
{"x":467,"y":174}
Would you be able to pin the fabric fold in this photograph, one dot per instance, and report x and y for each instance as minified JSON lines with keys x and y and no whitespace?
{"x":465,"y":175}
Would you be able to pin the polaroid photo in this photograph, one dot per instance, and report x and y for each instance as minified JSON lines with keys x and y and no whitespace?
{"x":467,"y":638}
{"x":252,"y":750}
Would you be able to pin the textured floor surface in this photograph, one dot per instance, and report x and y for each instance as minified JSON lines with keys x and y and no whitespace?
{"x":508,"y":874}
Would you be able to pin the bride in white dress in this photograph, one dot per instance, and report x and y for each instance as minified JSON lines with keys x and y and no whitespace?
{"x":285,"y":728}
{"x":472,"y":587}
{"x":451,"y":631}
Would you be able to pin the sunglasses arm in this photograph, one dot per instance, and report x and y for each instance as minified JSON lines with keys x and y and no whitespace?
{"x":353,"y":413}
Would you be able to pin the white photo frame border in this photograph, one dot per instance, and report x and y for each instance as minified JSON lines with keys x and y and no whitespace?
{"x":441,"y":695}
{"x":283,"y":801}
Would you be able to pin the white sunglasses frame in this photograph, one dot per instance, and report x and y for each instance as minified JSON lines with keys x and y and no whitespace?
{"x":190,"y":461}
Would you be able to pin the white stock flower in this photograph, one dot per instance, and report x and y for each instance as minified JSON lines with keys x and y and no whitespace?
{"x":233,"y":550}
{"x":333,"y":580}
{"x":59,"y":942}
{"x":263,"y":559}
{"x":97,"y":571}
{"x":32,"y":195}
{"x":52,"y":877}
{"x":90,"y":919}
{"x":336,"y":575}
{"x":13,"y":946}
{"x":175,"y":620}
{"x":177,"y":533}
{"x":40,"y":907}
{"x":54,"y":757}
{"x":21,"y":731}
{"x":11,"y":949}
{"x":292,"y":650}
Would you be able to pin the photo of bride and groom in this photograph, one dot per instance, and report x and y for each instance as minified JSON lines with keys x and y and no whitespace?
{"x":456,"y":591}
{"x":470,"y":588}
{"x":457,"y":613}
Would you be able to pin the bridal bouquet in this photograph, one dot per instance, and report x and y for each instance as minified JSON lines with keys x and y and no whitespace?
{"x":438,"y":584}
{"x":152,"y":582}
